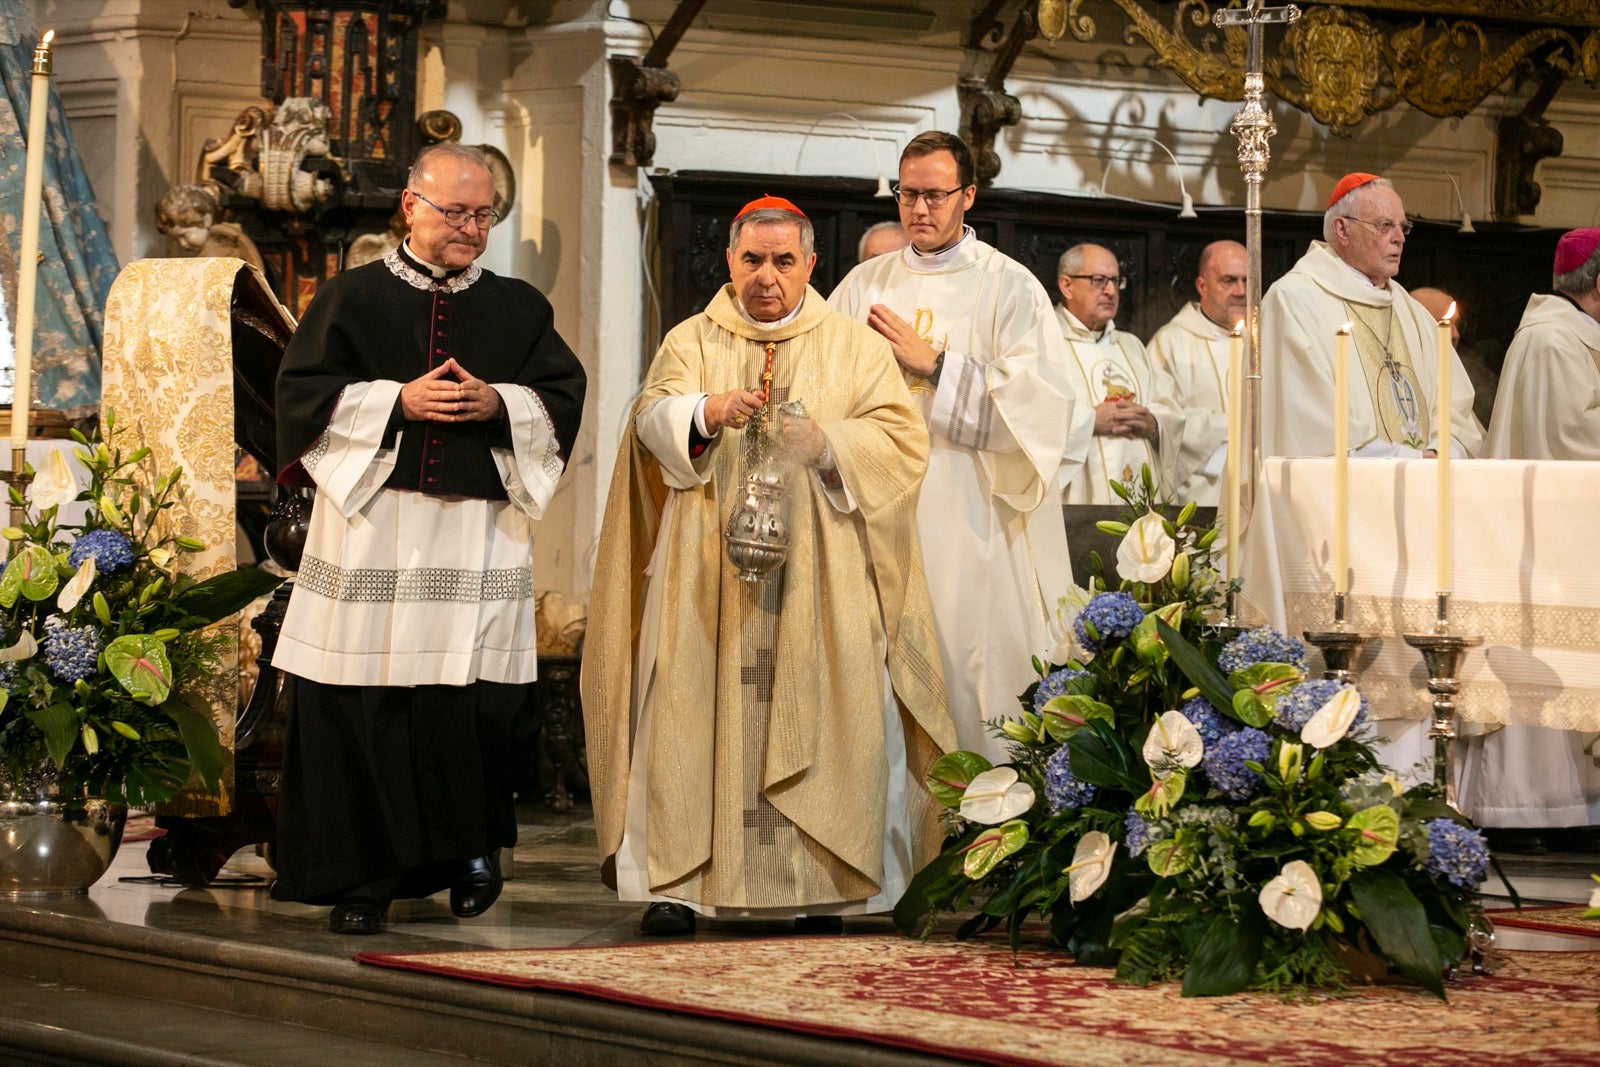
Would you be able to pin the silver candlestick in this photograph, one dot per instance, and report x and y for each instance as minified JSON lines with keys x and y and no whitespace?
{"x":1442,"y":653}
{"x":1339,"y":646}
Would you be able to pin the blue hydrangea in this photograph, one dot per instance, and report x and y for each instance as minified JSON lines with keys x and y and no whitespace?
{"x":1264,"y":645}
{"x":1224,"y":763}
{"x":1113,"y":615}
{"x":1061,"y":789}
{"x":70,"y":651}
{"x":1212,"y":724}
{"x":1456,"y":853}
{"x":1140,"y":832}
{"x":1306,"y":699}
{"x":111,"y":551}
{"x":1054,"y":685}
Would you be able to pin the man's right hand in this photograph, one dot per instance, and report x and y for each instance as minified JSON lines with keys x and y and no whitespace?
{"x":733,"y":408}
{"x":434,"y":397}
{"x":1123,"y":418}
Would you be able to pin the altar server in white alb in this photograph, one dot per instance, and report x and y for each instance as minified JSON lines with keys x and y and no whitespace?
{"x":433,"y":406}
{"x":1348,"y":276}
{"x":1125,"y":402}
{"x":972,"y":330}
{"x":1193,"y":349}
{"x":1536,"y":788}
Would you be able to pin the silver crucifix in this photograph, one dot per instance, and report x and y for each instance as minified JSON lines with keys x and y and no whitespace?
{"x":1254,"y":127}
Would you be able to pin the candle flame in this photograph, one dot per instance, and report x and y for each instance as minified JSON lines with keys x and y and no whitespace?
{"x":49,"y":35}
{"x":1346,"y":329}
{"x":1449,"y":313}
{"x":1238,"y":328}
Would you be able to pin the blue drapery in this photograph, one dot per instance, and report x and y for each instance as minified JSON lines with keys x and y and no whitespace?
{"x":77,"y":265}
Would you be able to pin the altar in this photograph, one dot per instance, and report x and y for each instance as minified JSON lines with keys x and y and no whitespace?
{"x":1527,"y":535}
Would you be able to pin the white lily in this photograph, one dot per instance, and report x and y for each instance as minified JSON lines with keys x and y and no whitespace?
{"x":1146,"y":552}
{"x":1064,"y":640}
{"x":1294,"y":897}
{"x":1173,"y":742}
{"x":995,"y":796}
{"x":1332,"y":721}
{"x":77,"y":586}
{"x":1091,"y":865}
{"x":54,"y":485}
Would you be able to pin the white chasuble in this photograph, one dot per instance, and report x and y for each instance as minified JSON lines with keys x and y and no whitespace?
{"x":464,"y":561}
{"x":1392,"y":359}
{"x":1000,"y":422}
{"x":1110,"y":364}
{"x":1193,"y":351}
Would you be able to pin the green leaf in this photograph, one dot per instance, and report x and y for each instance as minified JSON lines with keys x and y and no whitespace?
{"x":1065,"y":715}
{"x":927,"y":889}
{"x":1195,"y":667}
{"x":223,"y":594}
{"x":1269,"y":681}
{"x":31,"y":573}
{"x":1248,"y":709}
{"x":1156,"y":801}
{"x":1399,"y":926}
{"x":139,"y":662}
{"x":1379,"y":827}
{"x":1225,"y":959}
{"x":200,"y":738}
{"x":991,"y":846}
{"x":1169,"y":857}
{"x":59,"y":724}
{"x":1101,"y":757}
{"x":951,"y":773}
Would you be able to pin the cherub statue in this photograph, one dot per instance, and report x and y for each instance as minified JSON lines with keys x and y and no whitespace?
{"x":188,"y":214}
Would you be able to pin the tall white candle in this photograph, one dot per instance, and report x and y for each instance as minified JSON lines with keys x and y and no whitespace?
{"x":1443,"y":438}
{"x":1231,"y":469}
{"x":1341,"y":459}
{"x":28,"y":268}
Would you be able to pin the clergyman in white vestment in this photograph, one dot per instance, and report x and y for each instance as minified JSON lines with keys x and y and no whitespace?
{"x":972,"y":330}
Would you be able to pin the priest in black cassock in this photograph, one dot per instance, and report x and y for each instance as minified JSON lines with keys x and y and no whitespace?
{"x":433,"y":406}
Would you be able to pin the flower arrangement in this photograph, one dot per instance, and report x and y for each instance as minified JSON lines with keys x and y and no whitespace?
{"x":1182,"y":803}
{"x":104,"y":639}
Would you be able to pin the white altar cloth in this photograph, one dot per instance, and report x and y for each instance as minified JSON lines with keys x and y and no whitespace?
{"x":1527,"y":579}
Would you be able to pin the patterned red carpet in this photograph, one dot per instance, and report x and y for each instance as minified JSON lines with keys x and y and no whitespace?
{"x":1555,"y":918}
{"x":968,"y":1000}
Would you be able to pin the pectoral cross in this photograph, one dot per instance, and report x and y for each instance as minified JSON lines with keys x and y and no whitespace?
{"x":1253,"y":126}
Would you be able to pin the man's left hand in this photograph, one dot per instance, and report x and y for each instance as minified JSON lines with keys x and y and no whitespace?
{"x":804,"y":438}
{"x":1135,"y":420}
{"x":478,"y":400}
{"x":913,"y":353}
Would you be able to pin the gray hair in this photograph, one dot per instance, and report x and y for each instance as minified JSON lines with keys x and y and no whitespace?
{"x":808,"y":237}
{"x":1071,"y":261}
{"x":876,"y":227}
{"x":446,"y":150}
{"x":1345,"y":206}
{"x":1580,"y":281}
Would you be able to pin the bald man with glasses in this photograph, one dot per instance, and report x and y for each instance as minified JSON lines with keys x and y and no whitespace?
{"x":1126,"y":404}
{"x":1349,"y":276}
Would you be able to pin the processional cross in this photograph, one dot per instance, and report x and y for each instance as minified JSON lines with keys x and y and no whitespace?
{"x":1254,"y":127}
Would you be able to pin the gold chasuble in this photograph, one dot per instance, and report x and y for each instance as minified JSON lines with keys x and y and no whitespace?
{"x":766,"y":740}
{"x":168,"y":378}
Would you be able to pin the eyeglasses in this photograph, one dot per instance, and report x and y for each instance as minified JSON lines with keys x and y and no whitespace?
{"x":1100,"y":281}
{"x":458,"y":217}
{"x":1384,"y":226}
{"x":932,"y":197}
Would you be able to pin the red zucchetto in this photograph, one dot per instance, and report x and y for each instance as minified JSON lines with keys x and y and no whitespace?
{"x":1575,"y":248}
{"x":770,"y":203}
{"x":1347,"y":183}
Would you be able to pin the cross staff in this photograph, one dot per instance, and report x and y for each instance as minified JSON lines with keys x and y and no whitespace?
{"x":1254,"y":127}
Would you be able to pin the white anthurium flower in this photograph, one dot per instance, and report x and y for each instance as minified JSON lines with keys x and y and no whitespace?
{"x":1146,"y":552}
{"x":1332,"y":721}
{"x":77,"y":586}
{"x":1063,"y":639}
{"x":995,"y":796}
{"x":1294,"y":897}
{"x":54,"y":485}
{"x":25,"y":647}
{"x":1091,"y":865}
{"x":1173,"y":742}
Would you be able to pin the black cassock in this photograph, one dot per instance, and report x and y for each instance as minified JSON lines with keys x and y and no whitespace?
{"x":387,"y":784}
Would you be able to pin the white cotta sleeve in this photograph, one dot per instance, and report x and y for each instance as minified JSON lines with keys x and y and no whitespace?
{"x":532,"y":466}
{"x":663,"y":428}
{"x":348,"y":462}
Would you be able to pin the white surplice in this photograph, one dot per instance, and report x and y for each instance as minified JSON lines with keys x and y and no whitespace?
{"x":360,"y":625}
{"x":1547,"y":408}
{"x":1193,"y":351}
{"x":1300,"y":316}
{"x":1000,"y":420}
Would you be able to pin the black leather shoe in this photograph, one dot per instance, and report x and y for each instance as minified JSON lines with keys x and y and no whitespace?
{"x":664,"y":918}
{"x":478,"y":888}
{"x":819,"y":924}
{"x":356,"y":916}
{"x":1516,"y":840}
